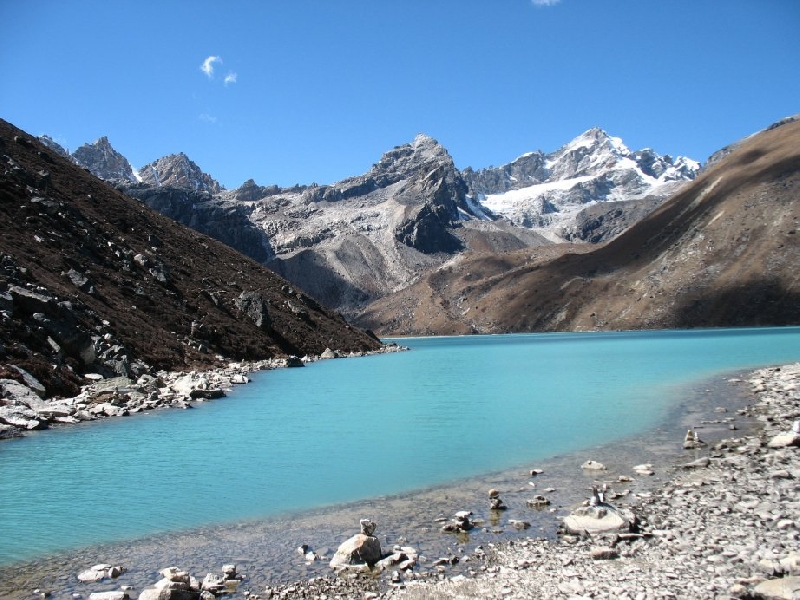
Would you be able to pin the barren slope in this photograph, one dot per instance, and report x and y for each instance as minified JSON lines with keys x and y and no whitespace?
{"x":93,"y":280}
{"x":722,"y":252}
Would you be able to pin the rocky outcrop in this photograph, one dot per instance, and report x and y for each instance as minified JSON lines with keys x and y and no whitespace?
{"x":177,"y":170}
{"x":226,"y":221}
{"x":528,"y":169}
{"x":603,"y":221}
{"x":103,"y":161}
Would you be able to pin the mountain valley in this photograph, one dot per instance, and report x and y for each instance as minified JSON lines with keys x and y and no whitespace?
{"x":591,"y":236}
{"x":365,"y":238}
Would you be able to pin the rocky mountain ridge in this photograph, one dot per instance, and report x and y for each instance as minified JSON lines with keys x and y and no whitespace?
{"x":105,"y":162}
{"x":92,"y":281}
{"x":362,"y":238}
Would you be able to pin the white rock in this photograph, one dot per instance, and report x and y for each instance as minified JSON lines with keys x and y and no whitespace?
{"x":593,"y":465}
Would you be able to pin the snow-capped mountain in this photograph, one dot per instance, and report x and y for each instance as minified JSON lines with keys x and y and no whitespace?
{"x":546,"y":192}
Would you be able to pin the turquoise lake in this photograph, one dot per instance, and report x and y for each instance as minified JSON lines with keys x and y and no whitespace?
{"x":347,"y":430}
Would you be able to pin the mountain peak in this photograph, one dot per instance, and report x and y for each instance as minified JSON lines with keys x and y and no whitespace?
{"x":594,"y":138}
{"x":178,"y":170}
{"x":104,"y":161}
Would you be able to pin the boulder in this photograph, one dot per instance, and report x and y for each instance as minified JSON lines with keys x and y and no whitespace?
{"x":168,"y":594}
{"x":538,"y":501}
{"x":213,"y":583}
{"x":229,"y":572}
{"x":9,"y":388}
{"x":593,"y":465}
{"x":253,"y":305}
{"x":603,"y":553}
{"x":358,"y":550}
{"x":787,"y":588}
{"x":108,"y":596}
{"x":100,"y":572}
{"x":784,"y":440}
{"x":175,"y":574}
{"x":597,"y":519}
{"x":92,"y":575}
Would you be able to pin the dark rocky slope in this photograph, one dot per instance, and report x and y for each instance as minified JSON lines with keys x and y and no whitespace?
{"x":92,"y":280}
{"x":723,"y":251}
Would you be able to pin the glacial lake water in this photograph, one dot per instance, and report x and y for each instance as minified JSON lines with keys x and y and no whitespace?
{"x":343,"y":431}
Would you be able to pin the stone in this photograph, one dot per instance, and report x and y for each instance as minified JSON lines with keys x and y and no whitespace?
{"x":644,"y":470}
{"x":700,"y":463}
{"x":367,"y":526}
{"x":175,"y":574}
{"x":109,"y":596}
{"x":596,"y":519}
{"x":538,"y":501}
{"x":496,"y":504}
{"x":784,"y":440}
{"x":692,"y":440}
{"x":787,"y":588}
{"x":229,"y":572}
{"x":603,"y":553}
{"x":213,"y":583}
{"x":253,"y":305}
{"x":593,"y":465}
{"x":167,"y":594}
{"x":358,"y":550}
{"x":97,"y":573}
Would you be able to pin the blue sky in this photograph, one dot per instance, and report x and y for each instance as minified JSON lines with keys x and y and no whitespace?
{"x":303,"y":91}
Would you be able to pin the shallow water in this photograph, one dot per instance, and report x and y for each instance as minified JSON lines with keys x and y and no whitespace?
{"x":426,"y":426}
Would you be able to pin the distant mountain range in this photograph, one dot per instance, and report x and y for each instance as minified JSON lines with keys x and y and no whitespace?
{"x":358,"y":240}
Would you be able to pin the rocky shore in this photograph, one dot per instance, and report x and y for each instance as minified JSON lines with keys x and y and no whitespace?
{"x":725,"y":526}
{"x":23,"y":407}
{"x":722,"y":524}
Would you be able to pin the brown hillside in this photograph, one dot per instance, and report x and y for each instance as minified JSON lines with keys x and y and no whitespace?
{"x":93,"y":280}
{"x":722,"y":252}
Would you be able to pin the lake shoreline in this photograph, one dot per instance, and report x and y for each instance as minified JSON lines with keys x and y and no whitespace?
{"x":728,"y":528}
{"x":24,"y":410}
{"x":467,"y":566}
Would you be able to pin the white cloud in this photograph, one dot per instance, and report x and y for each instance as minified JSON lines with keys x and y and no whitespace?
{"x":207,"y":118}
{"x":540,"y":3}
{"x":230,"y":78}
{"x":208,"y":65}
